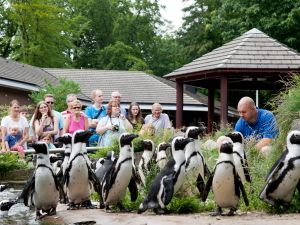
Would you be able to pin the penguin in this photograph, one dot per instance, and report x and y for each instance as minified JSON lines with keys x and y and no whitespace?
{"x":225,"y":181}
{"x":161,"y":156}
{"x":284,"y":176}
{"x":239,"y":156}
{"x":102,"y":166}
{"x":195,"y":167}
{"x":168,"y":180}
{"x":66,"y":140}
{"x":79,"y":177}
{"x":144,"y":164}
{"x":110,"y":156}
{"x":43,"y":188}
{"x":5,"y":205}
{"x":119,"y":176}
{"x":3,"y":187}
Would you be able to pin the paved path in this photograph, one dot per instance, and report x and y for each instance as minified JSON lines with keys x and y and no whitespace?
{"x":65,"y":216}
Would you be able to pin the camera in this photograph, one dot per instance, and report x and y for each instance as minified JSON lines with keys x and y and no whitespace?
{"x":116,"y":127}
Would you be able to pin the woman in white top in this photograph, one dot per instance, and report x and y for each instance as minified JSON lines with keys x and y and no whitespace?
{"x":111,"y":126}
{"x":12,"y":120}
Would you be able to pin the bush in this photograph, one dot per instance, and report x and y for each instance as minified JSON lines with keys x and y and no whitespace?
{"x":10,"y":161}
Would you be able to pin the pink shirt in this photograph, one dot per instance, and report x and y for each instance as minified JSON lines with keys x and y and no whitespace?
{"x":74,"y":125}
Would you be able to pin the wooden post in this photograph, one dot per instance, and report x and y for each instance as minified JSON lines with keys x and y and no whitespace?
{"x":211,"y":109}
{"x":179,"y":103}
{"x":224,"y":101}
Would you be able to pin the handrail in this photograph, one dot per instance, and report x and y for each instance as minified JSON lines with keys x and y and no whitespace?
{"x":62,"y":150}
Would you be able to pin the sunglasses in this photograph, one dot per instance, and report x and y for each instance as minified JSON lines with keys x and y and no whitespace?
{"x":77,"y":107}
{"x":50,"y":103}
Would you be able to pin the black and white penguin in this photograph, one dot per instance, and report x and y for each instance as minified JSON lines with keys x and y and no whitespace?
{"x":3,"y":187}
{"x":104,"y":165}
{"x":43,"y":188}
{"x":119,"y":176}
{"x":239,"y":156}
{"x":161,"y":155}
{"x":5,"y":205}
{"x":79,"y":176}
{"x":144,"y":164}
{"x":66,"y":140}
{"x":169,"y":179}
{"x":225,"y":182}
{"x":195,"y":166}
{"x":284,"y":176}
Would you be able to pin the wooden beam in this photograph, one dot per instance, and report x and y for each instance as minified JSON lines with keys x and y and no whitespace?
{"x":224,"y":101}
{"x":179,"y":103}
{"x":211,"y":109}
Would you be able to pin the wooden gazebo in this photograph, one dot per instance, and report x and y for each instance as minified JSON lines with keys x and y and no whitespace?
{"x":253,"y":61}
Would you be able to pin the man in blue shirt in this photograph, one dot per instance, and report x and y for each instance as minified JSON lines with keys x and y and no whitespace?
{"x":256,"y":123}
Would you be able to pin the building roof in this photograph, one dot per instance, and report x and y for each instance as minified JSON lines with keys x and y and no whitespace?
{"x":28,"y":77}
{"x":133,"y":85}
{"x":253,"y":50}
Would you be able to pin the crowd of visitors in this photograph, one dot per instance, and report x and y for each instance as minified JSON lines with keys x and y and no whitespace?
{"x":106,"y":122}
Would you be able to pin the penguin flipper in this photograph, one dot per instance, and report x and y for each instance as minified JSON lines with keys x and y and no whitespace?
{"x":168,"y":189}
{"x":93,"y":178}
{"x":207,"y":188}
{"x":241,"y":187}
{"x":133,"y":189}
{"x":298,"y":186}
{"x":107,"y":180}
{"x":136,"y":176}
{"x":277,"y":165}
{"x":200,"y":184}
{"x":246,"y":170}
{"x":207,"y":173}
{"x":27,"y":190}
{"x":62,"y":194}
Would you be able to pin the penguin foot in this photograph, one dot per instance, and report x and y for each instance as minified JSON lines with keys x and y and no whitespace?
{"x":161,"y":211}
{"x":39,"y":215}
{"x":231,"y":212}
{"x":101,"y":205}
{"x":52,"y":212}
{"x":107,"y":208}
{"x":88,"y":204}
{"x":122,"y":208}
{"x":218,"y":212}
{"x":73,"y":206}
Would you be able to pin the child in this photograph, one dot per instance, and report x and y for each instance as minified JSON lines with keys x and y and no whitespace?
{"x":12,"y":139}
{"x":48,"y":139}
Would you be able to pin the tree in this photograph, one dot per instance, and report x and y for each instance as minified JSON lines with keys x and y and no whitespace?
{"x":120,"y":56}
{"x":40,"y":38}
{"x":60,"y":92}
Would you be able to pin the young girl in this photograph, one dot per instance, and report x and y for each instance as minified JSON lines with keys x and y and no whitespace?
{"x":48,"y":139}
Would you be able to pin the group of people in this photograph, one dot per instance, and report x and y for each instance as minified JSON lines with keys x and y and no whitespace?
{"x":109,"y":121}
{"x":106,"y":122}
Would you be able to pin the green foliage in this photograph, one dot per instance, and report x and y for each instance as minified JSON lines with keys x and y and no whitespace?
{"x":10,"y":161}
{"x":59,"y":91}
{"x":3,"y":111}
{"x":286,"y":108}
{"x":41,"y":38}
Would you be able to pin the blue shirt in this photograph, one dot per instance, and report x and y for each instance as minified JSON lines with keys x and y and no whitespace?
{"x":92,"y":113}
{"x":264,"y":127}
{"x":12,"y":139}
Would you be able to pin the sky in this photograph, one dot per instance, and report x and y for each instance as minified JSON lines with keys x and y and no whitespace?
{"x":173,"y":11}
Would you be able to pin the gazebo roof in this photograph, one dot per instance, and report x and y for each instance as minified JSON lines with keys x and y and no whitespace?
{"x":254,"y":56}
